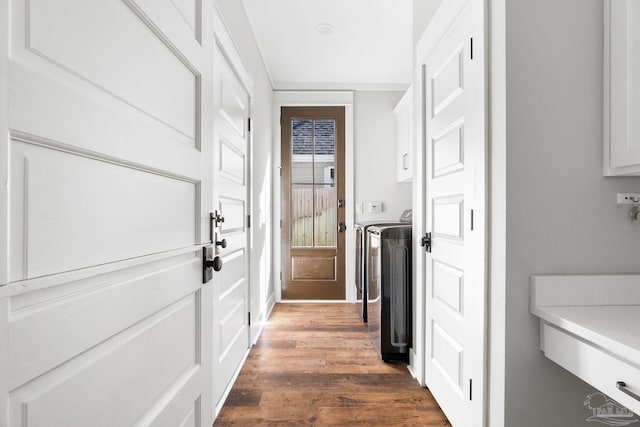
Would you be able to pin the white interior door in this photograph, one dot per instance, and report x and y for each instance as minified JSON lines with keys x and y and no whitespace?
{"x":104,"y":320}
{"x":455,"y":147}
{"x":231,"y":290}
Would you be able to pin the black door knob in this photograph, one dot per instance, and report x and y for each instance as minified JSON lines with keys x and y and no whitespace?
{"x":217,"y":264}
{"x":209,"y":264}
{"x":222,"y":243}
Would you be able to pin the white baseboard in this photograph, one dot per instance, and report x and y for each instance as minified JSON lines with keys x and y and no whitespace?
{"x":415,"y":367}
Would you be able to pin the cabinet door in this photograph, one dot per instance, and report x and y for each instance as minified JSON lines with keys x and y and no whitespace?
{"x":404,"y":122}
{"x":621,"y":91}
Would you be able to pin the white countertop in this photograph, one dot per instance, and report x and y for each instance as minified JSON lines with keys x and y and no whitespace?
{"x":616,"y":329}
{"x":601,"y":309}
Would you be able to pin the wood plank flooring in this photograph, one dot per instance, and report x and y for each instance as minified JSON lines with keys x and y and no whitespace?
{"x":314,"y":365}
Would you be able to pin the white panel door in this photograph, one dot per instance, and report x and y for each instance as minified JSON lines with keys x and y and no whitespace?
{"x":455,"y":147}
{"x":107,"y":156}
{"x":231,"y":290}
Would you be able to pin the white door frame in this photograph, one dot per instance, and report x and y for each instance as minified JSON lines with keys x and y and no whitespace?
{"x":309,"y":99}
{"x":442,"y":21}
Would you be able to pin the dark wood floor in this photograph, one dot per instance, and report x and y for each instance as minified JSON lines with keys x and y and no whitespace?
{"x":314,"y":365}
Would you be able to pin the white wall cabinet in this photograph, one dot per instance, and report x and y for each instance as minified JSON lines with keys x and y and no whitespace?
{"x":621,"y":88}
{"x":404,"y":138}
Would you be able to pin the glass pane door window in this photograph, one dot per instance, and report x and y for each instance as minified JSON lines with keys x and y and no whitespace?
{"x":313,"y":183}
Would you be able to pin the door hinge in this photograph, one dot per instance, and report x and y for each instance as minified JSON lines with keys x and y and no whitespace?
{"x":281,"y":276}
{"x":426,"y":242}
{"x":471,"y":219}
{"x":249,"y":318}
{"x":471,"y":48}
{"x":248,"y":221}
{"x":249,"y":124}
{"x":280,"y":223}
{"x":470,"y":389}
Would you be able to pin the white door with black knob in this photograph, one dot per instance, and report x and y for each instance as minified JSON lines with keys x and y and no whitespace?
{"x":454,"y":90}
{"x":105,"y":163}
{"x":230,"y":236}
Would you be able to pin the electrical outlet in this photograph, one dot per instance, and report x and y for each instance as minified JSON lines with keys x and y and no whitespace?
{"x":375,"y":207}
{"x":628,"y":198}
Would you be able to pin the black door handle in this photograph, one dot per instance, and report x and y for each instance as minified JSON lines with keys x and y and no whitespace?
{"x":215,"y":219}
{"x":222,"y":243}
{"x":209,"y":264}
{"x":215,"y":263}
{"x":426,"y":242}
{"x":341,"y":227}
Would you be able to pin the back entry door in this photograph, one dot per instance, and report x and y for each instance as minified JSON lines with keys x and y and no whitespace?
{"x":313,"y":212}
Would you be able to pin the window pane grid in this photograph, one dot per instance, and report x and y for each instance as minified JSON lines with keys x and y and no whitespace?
{"x":313,"y":176}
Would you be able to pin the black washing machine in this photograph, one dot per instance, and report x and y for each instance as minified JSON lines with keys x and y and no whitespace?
{"x":389,"y":290}
{"x":360,"y":282}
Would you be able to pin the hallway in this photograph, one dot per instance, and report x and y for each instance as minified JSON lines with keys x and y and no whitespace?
{"x":314,"y":365}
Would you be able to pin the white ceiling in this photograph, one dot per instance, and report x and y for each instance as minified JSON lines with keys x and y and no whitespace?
{"x":371,"y":47}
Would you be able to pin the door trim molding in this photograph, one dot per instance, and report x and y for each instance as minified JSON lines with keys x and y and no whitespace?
{"x":308,"y":99}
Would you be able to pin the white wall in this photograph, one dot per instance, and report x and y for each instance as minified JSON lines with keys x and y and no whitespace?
{"x":423,"y":11}
{"x":375,"y":156}
{"x":561,"y":215}
{"x":262,"y":279}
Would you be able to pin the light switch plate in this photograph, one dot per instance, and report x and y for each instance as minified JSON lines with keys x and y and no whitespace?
{"x":375,"y":207}
{"x":628,"y":198}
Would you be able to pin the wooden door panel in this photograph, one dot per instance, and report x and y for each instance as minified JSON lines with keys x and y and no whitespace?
{"x":448,"y":282}
{"x":233,"y":105}
{"x":313,"y":267}
{"x":112,"y":37}
{"x":448,"y":151}
{"x":71,"y":211}
{"x":100,"y":96}
{"x":448,"y":217}
{"x":447,"y":355}
{"x":232,"y":163}
{"x":234,"y":219}
{"x":186,"y":31}
{"x":122,"y":372}
{"x":447,"y":83}
{"x":106,"y":305}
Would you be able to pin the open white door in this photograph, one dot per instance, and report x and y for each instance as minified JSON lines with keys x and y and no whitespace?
{"x":455,"y":183}
{"x":106,"y":128}
{"x":231,"y":290}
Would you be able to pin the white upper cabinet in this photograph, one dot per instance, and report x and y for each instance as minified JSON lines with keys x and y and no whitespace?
{"x":621,"y":88}
{"x":404,"y":136}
